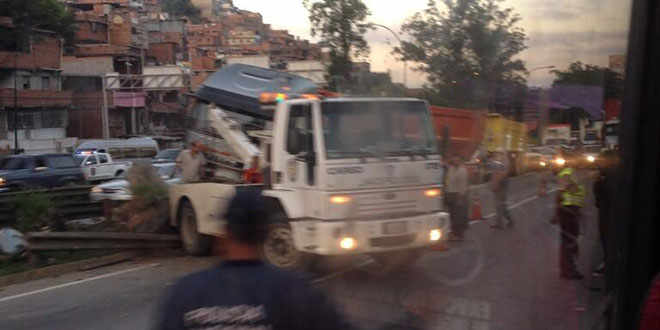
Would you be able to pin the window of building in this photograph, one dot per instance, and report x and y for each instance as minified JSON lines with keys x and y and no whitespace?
{"x":52,"y":119}
{"x":45,"y":82}
{"x":24,"y":120}
{"x":24,"y":82}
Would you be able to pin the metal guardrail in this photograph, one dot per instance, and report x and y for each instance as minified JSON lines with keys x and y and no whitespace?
{"x":45,"y":241}
{"x":69,"y":202}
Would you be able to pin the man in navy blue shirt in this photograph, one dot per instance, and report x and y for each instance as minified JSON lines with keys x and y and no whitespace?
{"x":243,"y":292}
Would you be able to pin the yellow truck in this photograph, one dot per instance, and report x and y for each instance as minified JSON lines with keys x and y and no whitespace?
{"x":505,"y":135}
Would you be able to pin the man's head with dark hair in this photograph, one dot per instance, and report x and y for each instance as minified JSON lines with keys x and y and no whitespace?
{"x":247,"y":217}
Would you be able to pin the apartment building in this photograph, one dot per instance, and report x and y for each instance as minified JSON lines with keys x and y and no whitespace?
{"x":33,"y":106}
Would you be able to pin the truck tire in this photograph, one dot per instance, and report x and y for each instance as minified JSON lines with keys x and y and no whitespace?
{"x":119,"y":174}
{"x":193,"y":242}
{"x":278,"y":248}
{"x":389,"y":262}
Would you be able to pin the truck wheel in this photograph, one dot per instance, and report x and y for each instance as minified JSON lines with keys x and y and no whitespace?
{"x":279,"y":250}
{"x":194,"y":243}
{"x":389,"y":262}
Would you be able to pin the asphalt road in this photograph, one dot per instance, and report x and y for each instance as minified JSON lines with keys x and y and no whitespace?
{"x":494,"y":280}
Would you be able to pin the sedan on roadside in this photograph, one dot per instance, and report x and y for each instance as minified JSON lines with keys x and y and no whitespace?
{"x":120,"y":189}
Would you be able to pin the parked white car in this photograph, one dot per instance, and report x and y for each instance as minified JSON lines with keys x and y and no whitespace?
{"x":100,"y":166}
{"x":120,"y":190}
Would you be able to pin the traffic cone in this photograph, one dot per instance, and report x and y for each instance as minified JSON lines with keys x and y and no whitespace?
{"x":543,"y":187}
{"x":475,"y":209}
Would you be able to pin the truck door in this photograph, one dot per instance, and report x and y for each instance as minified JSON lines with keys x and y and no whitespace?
{"x":90,"y":165}
{"x":299,"y":163}
{"x":104,"y":169}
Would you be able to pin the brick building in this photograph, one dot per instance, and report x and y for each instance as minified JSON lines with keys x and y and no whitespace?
{"x":111,"y":38}
{"x":168,"y":41}
{"x":30,"y":78}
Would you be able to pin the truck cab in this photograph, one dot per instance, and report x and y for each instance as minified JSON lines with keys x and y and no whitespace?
{"x":364,"y":169}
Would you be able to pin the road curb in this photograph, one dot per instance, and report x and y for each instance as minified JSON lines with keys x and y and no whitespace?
{"x":70,"y":267}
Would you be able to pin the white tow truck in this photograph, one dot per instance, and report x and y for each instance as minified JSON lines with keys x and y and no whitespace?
{"x":342,"y":176}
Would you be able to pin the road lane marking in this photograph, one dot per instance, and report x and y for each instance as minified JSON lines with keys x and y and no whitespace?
{"x":513,"y":206}
{"x":76,"y":282}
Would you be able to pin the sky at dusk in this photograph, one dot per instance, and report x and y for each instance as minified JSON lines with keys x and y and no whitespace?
{"x":559,"y":32}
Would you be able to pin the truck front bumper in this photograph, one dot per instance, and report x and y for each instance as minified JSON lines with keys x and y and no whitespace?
{"x":370,"y":236}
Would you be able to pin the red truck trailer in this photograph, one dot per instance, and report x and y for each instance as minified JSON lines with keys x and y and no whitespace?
{"x":464,"y":128}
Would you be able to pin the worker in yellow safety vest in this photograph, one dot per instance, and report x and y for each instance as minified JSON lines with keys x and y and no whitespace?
{"x":570,"y":201}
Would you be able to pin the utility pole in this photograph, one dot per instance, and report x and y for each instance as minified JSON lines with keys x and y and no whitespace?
{"x":16,"y":103}
{"x":104,"y":111}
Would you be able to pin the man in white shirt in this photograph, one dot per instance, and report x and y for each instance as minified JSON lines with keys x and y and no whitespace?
{"x":191,"y":162}
{"x":456,"y":197}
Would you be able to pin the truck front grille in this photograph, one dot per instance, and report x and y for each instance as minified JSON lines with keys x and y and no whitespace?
{"x":376,"y":204}
{"x":392,"y":241}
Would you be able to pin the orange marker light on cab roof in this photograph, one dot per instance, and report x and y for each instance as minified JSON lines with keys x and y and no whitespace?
{"x":268,"y":98}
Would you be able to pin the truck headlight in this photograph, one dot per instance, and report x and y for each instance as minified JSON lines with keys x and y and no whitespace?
{"x":432,"y":192}
{"x":591,"y":159}
{"x":340,"y":199}
{"x":560,"y":161}
{"x":2,"y":181}
{"x":348,"y":243}
{"x":543,"y":164}
{"x":97,"y":190}
{"x":435,"y":235}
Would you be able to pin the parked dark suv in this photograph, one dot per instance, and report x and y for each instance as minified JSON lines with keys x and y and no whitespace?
{"x":31,"y":171}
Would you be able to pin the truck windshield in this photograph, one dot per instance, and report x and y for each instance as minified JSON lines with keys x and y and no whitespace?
{"x":377,"y":128}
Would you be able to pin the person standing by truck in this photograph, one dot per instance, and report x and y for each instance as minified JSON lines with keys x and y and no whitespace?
{"x":499,"y":184}
{"x":243,"y":292}
{"x":570,"y":201}
{"x":191,"y":162}
{"x":457,"y":189}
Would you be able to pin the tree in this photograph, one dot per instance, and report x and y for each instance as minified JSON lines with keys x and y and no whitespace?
{"x":181,"y":8}
{"x":341,"y":25}
{"x":34,"y":14}
{"x":466,"y":51}
{"x":591,"y":75}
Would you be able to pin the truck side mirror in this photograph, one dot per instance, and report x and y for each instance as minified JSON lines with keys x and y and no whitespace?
{"x":294,"y":141}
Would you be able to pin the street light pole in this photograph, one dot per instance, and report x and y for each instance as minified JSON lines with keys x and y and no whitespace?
{"x":405,"y":63}
{"x":16,"y":103}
